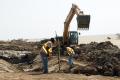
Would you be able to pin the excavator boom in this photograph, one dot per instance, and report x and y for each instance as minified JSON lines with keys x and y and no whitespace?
{"x":81,"y":21}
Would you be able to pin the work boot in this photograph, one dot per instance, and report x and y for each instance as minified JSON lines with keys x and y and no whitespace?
{"x":71,"y":66}
{"x":45,"y":72}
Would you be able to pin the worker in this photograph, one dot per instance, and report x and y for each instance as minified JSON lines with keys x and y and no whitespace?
{"x":70,"y":52}
{"x":45,"y":52}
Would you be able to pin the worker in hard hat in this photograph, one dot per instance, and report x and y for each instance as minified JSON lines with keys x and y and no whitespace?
{"x":70,"y":52}
{"x":45,"y":52}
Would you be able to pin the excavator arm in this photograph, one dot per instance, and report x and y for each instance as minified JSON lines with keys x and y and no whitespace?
{"x":74,"y":10}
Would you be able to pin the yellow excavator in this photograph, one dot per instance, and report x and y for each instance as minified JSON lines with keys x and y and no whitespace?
{"x":71,"y":37}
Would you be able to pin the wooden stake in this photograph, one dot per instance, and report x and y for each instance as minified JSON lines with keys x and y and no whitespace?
{"x":59,"y":54}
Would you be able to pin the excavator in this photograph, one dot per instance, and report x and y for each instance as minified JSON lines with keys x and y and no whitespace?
{"x":83,"y":21}
{"x":70,"y":38}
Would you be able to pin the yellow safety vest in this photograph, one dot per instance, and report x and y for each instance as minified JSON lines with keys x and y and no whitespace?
{"x":47,"y":50}
{"x":70,"y":51}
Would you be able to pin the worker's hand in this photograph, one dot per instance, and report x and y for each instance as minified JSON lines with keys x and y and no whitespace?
{"x":49,"y":57}
{"x":50,"y":54}
{"x":50,"y":50}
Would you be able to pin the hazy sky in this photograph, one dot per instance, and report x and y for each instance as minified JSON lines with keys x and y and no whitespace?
{"x":41,"y":18}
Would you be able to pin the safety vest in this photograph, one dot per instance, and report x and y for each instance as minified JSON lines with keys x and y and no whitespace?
{"x":70,"y":51}
{"x":47,"y":47}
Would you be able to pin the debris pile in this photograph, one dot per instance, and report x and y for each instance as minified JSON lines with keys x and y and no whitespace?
{"x":16,"y":57}
{"x":21,"y":45}
{"x":104,"y":56}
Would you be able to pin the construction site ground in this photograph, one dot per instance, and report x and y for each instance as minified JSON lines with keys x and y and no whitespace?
{"x":52,"y":76}
{"x":20,"y":60}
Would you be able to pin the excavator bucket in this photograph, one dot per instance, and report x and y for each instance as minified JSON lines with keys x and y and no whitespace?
{"x":83,"y":21}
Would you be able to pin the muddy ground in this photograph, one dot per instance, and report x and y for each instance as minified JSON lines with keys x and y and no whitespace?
{"x":20,"y":60}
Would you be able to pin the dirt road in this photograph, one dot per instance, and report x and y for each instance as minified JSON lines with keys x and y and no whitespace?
{"x":52,"y":76}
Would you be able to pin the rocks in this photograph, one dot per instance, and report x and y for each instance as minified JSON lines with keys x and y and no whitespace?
{"x":109,"y":73}
{"x":76,"y":70}
{"x":88,"y":70}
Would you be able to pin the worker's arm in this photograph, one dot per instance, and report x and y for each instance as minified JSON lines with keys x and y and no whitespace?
{"x":49,"y":51}
{"x":48,"y":48}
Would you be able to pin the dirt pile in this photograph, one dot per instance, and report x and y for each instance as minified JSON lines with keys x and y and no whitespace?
{"x":16,"y":57}
{"x":20,"y":53}
{"x":8,"y":67}
{"x":104,"y":56}
{"x":20,"y":45}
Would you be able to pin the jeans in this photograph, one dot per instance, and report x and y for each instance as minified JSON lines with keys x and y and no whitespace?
{"x":70,"y":60}
{"x":45,"y":63}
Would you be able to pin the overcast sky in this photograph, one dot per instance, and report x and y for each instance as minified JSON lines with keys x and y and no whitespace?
{"x":41,"y":18}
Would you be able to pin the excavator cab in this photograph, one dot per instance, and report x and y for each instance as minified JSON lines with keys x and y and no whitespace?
{"x":73,"y":37}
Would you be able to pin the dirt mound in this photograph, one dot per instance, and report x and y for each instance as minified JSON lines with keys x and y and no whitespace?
{"x":104,"y":56}
{"x":7,"y":67}
{"x":20,"y":45}
{"x":16,"y":57}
